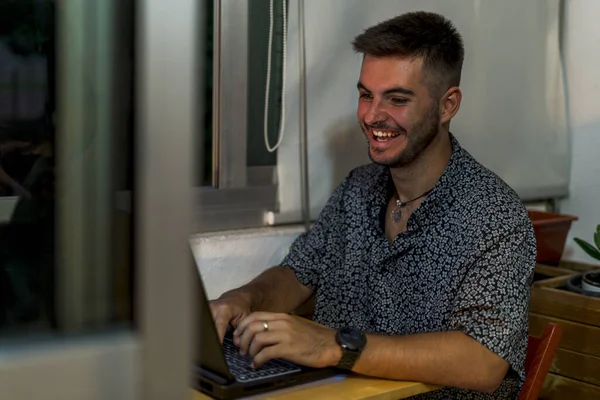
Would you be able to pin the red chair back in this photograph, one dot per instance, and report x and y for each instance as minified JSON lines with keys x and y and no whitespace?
{"x":540,"y":353}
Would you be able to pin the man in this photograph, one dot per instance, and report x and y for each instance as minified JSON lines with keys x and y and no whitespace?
{"x":420,"y":263}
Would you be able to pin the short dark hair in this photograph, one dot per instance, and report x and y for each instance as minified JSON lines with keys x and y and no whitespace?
{"x":427,"y":35}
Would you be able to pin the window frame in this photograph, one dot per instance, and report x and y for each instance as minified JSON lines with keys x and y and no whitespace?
{"x":230,"y":83}
{"x":153,"y":362}
{"x":241,"y":196}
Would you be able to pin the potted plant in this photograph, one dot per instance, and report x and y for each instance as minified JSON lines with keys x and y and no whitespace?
{"x":590,"y":281}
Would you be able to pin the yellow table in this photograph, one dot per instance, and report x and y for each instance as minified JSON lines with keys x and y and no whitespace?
{"x":351,"y":387}
{"x":343,"y":387}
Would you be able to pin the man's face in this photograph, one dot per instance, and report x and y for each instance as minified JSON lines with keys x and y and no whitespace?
{"x":395,"y":110}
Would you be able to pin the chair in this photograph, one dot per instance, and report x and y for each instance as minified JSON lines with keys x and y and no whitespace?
{"x":540,"y":353}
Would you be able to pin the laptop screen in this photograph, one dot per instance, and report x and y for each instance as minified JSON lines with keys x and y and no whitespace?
{"x":209,"y":354}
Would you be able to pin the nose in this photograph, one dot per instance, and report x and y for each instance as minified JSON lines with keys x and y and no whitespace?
{"x":374,"y":115}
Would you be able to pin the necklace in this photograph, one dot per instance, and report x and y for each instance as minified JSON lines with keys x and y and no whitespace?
{"x":397,"y":213}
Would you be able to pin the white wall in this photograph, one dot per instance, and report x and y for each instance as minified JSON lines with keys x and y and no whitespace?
{"x":228,"y":260}
{"x":512,"y":118}
{"x":231,"y":259}
{"x":583,"y":81}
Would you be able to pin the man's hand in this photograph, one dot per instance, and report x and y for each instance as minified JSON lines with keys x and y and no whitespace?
{"x":229,"y":309}
{"x":288,"y":337}
{"x":275,"y":290}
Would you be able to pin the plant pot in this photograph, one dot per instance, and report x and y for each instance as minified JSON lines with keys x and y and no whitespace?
{"x":551,"y":232}
{"x":575,"y":285}
{"x":590,"y":281}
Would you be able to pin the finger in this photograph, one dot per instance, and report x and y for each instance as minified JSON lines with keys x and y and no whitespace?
{"x":264,"y":339}
{"x":266,"y":354}
{"x":236,"y":321}
{"x":279,"y":328}
{"x":257,"y":316}
{"x":248,"y":336}
{"x":221,"y":323}
{"x":222,"y":317}
{"x":285,"y":324}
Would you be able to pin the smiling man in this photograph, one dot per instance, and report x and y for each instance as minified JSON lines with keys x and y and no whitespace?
{"x":421,"y":262}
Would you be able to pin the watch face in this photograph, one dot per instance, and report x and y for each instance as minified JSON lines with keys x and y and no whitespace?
{"x":352,"y":338}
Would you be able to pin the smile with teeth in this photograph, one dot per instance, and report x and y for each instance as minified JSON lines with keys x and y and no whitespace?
{"x":384,"y":136}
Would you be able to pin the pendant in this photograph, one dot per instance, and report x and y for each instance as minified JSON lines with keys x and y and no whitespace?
{"x":397,"y":214}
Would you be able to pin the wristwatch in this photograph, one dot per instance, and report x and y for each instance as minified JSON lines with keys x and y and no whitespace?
{"x":352,"y":342}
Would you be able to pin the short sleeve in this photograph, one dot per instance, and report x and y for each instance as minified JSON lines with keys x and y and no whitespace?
{"x":493,"y":302}
{"x":311,"y":251}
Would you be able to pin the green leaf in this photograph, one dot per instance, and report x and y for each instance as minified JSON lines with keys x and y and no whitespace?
{"x":597,"y":240}
{"x":598,"y":229}
{"x":588,"y":248}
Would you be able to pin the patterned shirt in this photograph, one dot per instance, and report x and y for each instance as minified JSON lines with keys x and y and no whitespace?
{"x":465,"y":263}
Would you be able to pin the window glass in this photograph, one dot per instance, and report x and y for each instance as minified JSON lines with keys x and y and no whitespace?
{"x":258,"y":42}
{"x":257,"y":64}
{"x":30,"y":145}
{"x":206,"y":145}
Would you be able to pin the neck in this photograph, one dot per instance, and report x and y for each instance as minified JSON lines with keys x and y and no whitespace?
{"x":423,"y":173}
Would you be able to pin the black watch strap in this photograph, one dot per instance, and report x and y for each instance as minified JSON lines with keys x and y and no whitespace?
{"x":348,"y":359}
{"x":352,"y":341}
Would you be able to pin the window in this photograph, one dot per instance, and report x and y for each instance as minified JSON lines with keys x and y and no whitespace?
{"x":27,"y":105}
{"x":87,"y":115}
{"x":238,"y":186}
{"x":24,"y":54}
{"x":79,"y":136}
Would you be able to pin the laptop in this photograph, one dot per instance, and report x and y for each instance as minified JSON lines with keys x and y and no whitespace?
{"x":222,"y":373}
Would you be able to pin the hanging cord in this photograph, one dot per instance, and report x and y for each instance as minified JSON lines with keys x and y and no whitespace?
{"x":269,"y":62}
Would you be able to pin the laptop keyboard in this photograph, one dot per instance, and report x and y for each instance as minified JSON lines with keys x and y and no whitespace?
{"x":243,"y":372}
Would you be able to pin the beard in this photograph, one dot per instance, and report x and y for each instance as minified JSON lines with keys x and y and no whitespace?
{"x":419,"y":138}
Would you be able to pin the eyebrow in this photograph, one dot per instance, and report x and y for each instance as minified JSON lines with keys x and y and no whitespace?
{"x":397,"y":89}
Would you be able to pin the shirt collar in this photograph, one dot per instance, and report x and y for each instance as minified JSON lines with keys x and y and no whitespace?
{"x":379,"y":189}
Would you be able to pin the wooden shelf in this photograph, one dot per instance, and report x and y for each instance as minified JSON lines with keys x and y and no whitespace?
{"x":575,"y":371}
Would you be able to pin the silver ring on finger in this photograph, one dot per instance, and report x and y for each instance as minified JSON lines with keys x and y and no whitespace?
{"x":265,"y":326}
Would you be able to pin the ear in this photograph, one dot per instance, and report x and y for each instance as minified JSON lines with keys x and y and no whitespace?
{"x":450,"y":104}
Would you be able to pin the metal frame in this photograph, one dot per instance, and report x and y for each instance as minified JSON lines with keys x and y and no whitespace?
{"x":230,"y":95}
{"x":84,"y":163}
{"x":304,"y":178}
{"x":168,"y":42}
